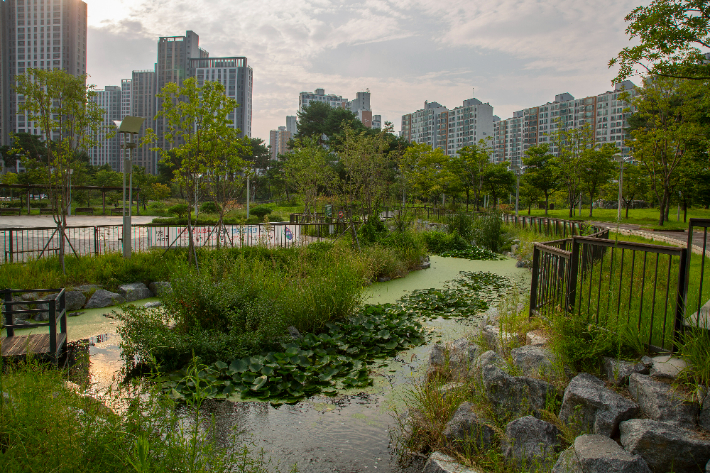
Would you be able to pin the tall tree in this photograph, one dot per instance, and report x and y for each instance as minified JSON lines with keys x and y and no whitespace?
{"x":498,"y":180}
{"x":327,"y":124}
{"x":672,"y":35}
{"x":596,"y":168}
{"x":540,"y":171}
{"x":469,"y":166}
{"x":60,"y":105}
{"x":571,"y":143}
{"x":665,"y":130}
{"x":308,"y":170}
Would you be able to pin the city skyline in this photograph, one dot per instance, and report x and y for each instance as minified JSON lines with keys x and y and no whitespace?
{"x":515,"y":54}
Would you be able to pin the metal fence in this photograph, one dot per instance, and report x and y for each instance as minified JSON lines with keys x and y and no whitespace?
{"x":652,"y":293}
{"x":552,"y":226}
{"x":23,"y":244}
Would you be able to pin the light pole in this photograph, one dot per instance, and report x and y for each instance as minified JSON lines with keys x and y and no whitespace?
{"x":621,"y":184}
{"x":196,"y":185}
{"x":71,"y":171}
{"x":128,"y":128}
{"x":247,"y":195}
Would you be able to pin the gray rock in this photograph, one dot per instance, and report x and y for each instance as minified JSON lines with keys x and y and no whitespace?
{"x":598,"y":454}
{"x":103,"y":298}
{"x":588,"y":404}
{"x":488,"y":358}
{"x":704,"y":417}
{"x":458,"y":356}
{"x":437,"y":356}
{"x":533,"y":361}
{"x":30,"y":296}
{"x":665,"y":447}
{"x":41,"y":316}
{"x":86,"y":288}
{"x":531,"y":443}
{"x":496,"y":339}
{"x":467,"y":428}
{"x":294,"y":333}
{"x":440,"y":463}
{"x":515,"y":395}
{"x":76,"y":314}
{"x":523,"y":264}
{"x":536,"y":338}
{"x":153,"y":305}
{"x":658,"y":401}
{"x":618,"y":371}
{"x":490,"y":317}
{"x":134,"y":291}
{"x":667,"y":367}
{"x":74,"y":300}
{"x":160,"y":288}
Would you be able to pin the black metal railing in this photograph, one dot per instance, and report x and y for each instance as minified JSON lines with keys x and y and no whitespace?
{"x":698,"y":295}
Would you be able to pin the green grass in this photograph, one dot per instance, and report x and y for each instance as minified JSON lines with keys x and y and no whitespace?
{"x":646,"y":218}
{"x":45,"y":425}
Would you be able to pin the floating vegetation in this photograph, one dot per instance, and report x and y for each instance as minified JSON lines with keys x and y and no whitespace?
{"x":339,"y":358}
{"x":473,"y":253}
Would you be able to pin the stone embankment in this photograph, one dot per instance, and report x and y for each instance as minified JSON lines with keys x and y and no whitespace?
{"x":633,"y":421}
{"x":89,"y":297}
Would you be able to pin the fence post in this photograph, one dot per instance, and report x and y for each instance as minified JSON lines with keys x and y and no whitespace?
{"x":571,"y":297}
{"x":96,"y":241}
{"x":534,"y":282}
{"x":12,"y":249}
{"x":9,"y":318}
{"x":681,"y":297}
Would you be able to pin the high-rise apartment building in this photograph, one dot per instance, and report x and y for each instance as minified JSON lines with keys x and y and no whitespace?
{"x":606,"y":113}
{"x":377,"y":122}
{"x":237,"y":78}
{"x":107,"y":150}
{"x":449,"y":130}
{"x":43,"y":34}
{"x":143,"y":103}
{"x":335,"y":101}
{"x":278,"y":141}
{"x":292,"y":124}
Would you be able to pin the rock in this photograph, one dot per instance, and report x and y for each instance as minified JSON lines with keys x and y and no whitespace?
{"x":87,"y":288}
{"x":490,"y":317}
{"x":536,"y":338}
{"x":598,"y":454}
{"x":533,"y":361}
{"x":488,"y":358}
{"x":667,"y":367}
{"x":74,"y":300}
{"x":658,"y":401}
{"x":523,"y":264}
{"x":450,"y":387}
{"x":514,"y":249}
{"x":588,"y":404}
{"x":159,"y":288}
{"x":76,"y":314}
{"x":618,"y":372}
{"x":459,"y":354}
{"x":496,"y":339}
{"x":294,"y":333}
{"x":41,"y":316}
{"x":531,"y":442}
{"x":426,"y":265}
{"x":134,"y":291}
{"x":467,"y":428}
{"x":704,"y":417}
{"x":515,"y":395}
{"x":30,"y":296}
{"x":665,"y":447}
{"x":440,"y":463}
{"x":153,"y":305}
{"x":103,"y":298}
{"x":437,"y":357}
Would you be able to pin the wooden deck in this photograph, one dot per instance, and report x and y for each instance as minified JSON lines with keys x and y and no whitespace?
{"x":35,"y":344}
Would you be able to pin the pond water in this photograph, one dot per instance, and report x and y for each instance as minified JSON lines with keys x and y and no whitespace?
{"x":346,"y":433}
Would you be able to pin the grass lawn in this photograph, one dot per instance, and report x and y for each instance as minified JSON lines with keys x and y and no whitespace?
{"x":647,"y":218}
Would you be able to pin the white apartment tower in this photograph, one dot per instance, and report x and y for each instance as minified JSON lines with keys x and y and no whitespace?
{"x":43,"y":34}
{"x":107,"y":150}
{"x":278,"y":141}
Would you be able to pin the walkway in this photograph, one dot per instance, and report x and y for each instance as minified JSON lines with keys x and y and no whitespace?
{"x":674,"y":238}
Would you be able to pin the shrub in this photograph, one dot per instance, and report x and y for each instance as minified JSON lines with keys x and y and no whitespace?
{"x":259,"y":212}
{"x":181,"y":210}
{"x":439,"y":242}
{"x":462,"y":224}
{"x":489,"y":232}
{"x":209,"y":208}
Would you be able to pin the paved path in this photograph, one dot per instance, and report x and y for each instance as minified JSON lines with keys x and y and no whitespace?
{"x":675,"y":238}
{"x":41,"y":221}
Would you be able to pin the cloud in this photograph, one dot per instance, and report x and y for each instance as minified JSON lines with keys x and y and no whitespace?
{"x":516,"y":53}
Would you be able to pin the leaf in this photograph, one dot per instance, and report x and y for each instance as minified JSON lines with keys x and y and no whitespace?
{"x":384,"y":334}
{"x":220,"y":365}
{"x":298,"y":376}
{"x":259,"y":383}
{"x":240,"y":366}
{"x":267,"y":370}
{"x":328,"y":374}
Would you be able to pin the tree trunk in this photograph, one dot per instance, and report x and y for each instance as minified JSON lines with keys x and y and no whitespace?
{"x":547,"y":203}
{"x":591,"y":204}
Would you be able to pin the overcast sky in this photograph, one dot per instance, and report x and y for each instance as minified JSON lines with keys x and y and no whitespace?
{"x":514,"y":53}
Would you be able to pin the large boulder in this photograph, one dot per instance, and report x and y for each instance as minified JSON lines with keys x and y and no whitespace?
{"x":598,"y":454}
{"x":594,"y":408}
{"x":468,"y":429}
{"x":537,"y":338}
{"x":457,"y":356}
{"x":496,"y":339}
{"x":515,"y":395}
{"x":534,"y":360}
{"x":667,"y":367}
{"x":74,"y":300}
{"x":618,"y":371}
{"x":103,"y":298}
{"x":440,"y":463}
{"x":659,"y":401}
{"x":159,"y":288}
{"x":134,"y":291}
{"x":531,"y":443}
{"x":87,"y":289}
{"x":665,"y":447}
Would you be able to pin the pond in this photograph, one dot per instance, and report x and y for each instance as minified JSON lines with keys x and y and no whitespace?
{"x":346,"y":433}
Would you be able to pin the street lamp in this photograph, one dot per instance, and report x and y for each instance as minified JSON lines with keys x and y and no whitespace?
{"x":196,"y":185}
{"x":128,"y":128}
{"x":71,"y":171}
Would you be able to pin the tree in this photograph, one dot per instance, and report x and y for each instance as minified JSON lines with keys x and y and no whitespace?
{"x":635,"y":183}
{"x":203,"y":146}
{"x":665,"y":130}
{"x":529,"y":194}
{"x":498,"y":181}
{"x":469,"y":166}
{"x":60,"y":105}
{"x":596,"y":168}
{"x":540,"y":171}
{"x":308,"y":170}
{"x":571,"y":143}
{"x":672,"y":35}
{"x":327,"y":124}
{"x":426,"y":169}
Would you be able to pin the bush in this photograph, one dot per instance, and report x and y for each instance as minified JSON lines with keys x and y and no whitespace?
{"x":181,"y":210}
{"x":259,"y":212}
{"x":209,"y":208}
{"x":440,"y":242}
{"x":489,"y":233}
{"x":463,"y":224}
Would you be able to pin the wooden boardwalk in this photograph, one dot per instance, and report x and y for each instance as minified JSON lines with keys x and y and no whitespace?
{"x":35,"y":344}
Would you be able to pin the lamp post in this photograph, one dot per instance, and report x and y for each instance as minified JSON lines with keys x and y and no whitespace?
{"x":128,"y":128}
{"x":196,"y":186}
{"x":71,"y":171}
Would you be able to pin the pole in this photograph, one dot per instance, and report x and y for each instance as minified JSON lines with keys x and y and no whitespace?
{"x":70,"y":192}
{"x":195,"y":198}
{"x":126,"y":218}
{"x":247,"y":196}
{"x":517,"y":194}
{"x":621,"y":183}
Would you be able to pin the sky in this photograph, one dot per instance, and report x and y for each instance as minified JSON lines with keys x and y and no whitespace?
{"x":512,"y":54}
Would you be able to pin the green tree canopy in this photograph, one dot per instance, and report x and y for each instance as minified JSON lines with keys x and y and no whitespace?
{"x":540,"y":171}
